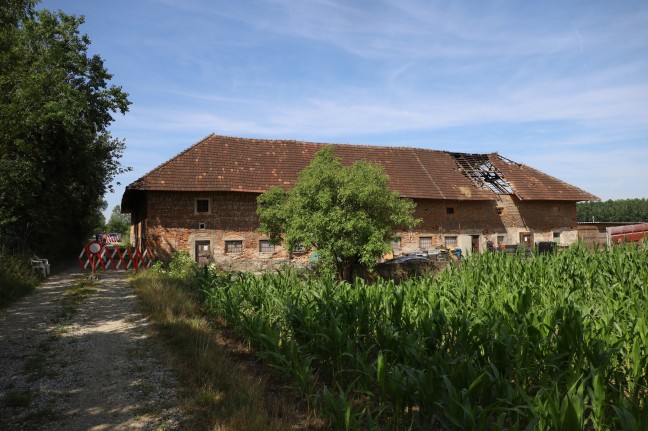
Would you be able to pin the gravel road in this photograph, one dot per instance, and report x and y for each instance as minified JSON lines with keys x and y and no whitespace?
{"x":96,"y":369}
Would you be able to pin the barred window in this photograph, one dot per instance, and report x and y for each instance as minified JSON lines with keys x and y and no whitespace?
{"x":265,"y":246}
{"x":425,"y":242}
{"x":234,"y":247}
{"x":450,"y":241}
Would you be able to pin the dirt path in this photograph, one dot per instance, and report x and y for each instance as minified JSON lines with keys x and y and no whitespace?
{"x":94,"y":370}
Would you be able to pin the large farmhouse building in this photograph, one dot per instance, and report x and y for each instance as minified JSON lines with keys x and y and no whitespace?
{"x":204,"y":199}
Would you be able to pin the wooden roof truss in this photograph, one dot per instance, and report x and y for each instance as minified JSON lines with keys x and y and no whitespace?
{"x":479,"y":169}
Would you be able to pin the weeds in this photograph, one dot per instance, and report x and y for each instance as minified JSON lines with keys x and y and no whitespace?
{"x":16,"y":277}
{"x":73,"y":296}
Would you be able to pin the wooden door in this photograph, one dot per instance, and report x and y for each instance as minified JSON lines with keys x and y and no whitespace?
{"x":203,"y":252}
{"x":526,"y":239}
{"x":474,"y":243}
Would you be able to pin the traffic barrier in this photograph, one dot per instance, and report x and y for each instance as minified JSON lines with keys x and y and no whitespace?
{"x":96,"y":255}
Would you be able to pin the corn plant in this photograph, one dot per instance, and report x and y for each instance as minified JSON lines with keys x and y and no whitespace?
{"x":500,"y":342}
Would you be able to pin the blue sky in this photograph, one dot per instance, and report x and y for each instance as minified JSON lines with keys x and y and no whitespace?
{"x":559,"y":85}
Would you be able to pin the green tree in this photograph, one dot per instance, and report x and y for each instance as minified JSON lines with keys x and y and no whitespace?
{"x":57,"y":158}
{"x":347,"y":213}
{"x":620,"y":210}
{"x":118,"y":222}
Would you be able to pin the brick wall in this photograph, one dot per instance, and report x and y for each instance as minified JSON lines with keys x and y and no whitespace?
{"x":175,"y":225}
{"x":169,"y":222}
{"x":474,"y":223}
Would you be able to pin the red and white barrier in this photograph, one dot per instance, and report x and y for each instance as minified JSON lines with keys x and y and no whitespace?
{"x":95,"y":255}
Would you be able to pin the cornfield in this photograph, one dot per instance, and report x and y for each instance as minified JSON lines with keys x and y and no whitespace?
{"x":553,"y":342}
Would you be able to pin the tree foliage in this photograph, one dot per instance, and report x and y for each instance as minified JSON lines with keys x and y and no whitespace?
{"x":118,"y":222}
{"x":347,"y":213}
{"x":57,"y":157}
{"x":621,"y":210}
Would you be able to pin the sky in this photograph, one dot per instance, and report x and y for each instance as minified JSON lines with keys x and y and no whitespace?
{"x":561,"y":86}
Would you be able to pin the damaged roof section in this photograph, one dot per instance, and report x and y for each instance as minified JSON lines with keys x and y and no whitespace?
{"x":479,"y":169}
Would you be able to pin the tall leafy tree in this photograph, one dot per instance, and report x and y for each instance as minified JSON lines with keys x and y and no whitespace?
{"x":57,"y":157}
{"x":347,"y":213}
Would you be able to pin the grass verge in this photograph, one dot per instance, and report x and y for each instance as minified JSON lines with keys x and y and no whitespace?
{"x":16,"y":278}
{"x":219,"y":391}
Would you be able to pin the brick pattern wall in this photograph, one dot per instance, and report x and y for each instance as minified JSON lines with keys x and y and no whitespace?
{"x":175,"y":225}
{"x":168,"y":221}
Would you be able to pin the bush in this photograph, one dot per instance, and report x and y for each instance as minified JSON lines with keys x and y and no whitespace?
{"x":16,"y":277}
{"x":181,"y":266}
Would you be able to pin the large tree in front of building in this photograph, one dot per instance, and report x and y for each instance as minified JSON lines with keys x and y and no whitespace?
{"x":57,"y":157}
{"x":347,"y":213}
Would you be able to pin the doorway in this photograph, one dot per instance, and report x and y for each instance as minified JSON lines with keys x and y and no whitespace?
{"x":526,"y":239}
{"x":203,"y":252}
{"x":474,"y":243}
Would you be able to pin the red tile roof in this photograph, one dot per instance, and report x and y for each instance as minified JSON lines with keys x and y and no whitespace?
{"x":221,"y":163}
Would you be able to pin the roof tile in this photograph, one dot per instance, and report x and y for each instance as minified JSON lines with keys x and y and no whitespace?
{"x":221,"y":163}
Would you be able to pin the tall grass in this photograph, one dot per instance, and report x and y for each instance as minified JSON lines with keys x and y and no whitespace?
{"x":217,"y":392}
{"x":16,"y":277}
{"x":552,"y":342}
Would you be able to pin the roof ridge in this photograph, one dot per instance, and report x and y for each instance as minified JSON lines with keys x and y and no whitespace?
{"x":328,"y":143}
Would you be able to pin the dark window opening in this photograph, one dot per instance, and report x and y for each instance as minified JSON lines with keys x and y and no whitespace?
{"x":449,"y":210}
{"x":202,"y":205}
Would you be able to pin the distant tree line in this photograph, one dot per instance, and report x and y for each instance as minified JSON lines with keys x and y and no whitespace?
{"x":621,"y":210}
{"x":57,"y":157}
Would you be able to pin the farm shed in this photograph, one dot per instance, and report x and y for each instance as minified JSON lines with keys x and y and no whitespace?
{"x":204,"y":199}
{"x":595,"y":232}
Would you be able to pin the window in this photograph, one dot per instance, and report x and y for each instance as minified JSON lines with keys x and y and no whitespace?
{"x":556,"y":237}
{"x":450,"y":210}
{"x":500,"y":239}
{"x":265,"y":246}
{"x":396,"y":243}
{"x":202,"y":206}
{"x":450,"y":241}
{"x":234,"y":247}
{"x":201,"y":226}
{"x":425,"y":242}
